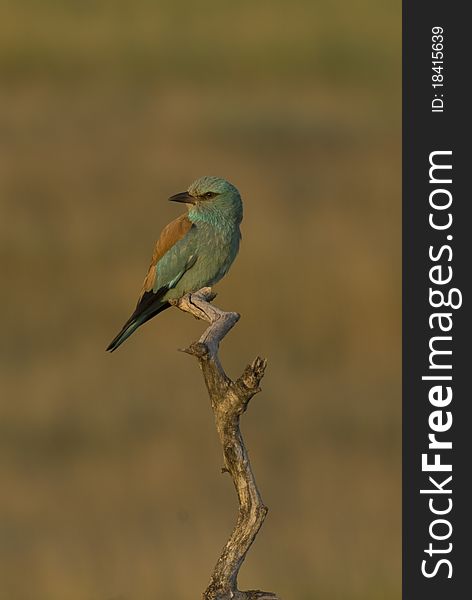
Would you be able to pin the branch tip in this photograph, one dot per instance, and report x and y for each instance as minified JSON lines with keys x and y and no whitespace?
{"x":259,"y":595}
{"x":198,"y":349}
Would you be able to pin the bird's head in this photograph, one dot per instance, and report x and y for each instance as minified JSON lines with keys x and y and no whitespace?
{"x":212,"y":197}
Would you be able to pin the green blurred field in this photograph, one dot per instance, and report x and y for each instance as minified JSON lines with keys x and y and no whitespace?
{"x":109,"y":465}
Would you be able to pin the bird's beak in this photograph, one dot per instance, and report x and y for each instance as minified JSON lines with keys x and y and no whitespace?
{"x":183,"y":197}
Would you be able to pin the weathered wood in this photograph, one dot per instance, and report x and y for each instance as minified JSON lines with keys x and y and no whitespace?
{"x":229,"y":399}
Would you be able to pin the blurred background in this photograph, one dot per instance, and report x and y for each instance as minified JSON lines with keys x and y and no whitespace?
{"x":110,"y":485}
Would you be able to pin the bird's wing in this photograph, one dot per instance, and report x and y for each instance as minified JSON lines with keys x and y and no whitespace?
{"x":174,"y":254}
{"x":170,"y":235}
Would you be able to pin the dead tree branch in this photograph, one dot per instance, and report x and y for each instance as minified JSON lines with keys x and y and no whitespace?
{"x":229,"y":399}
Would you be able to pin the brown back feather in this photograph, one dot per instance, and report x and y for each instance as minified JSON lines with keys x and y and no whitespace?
{"x":170,"y":235}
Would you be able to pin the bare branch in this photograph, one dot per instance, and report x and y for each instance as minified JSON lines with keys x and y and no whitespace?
{"x":229,"y":399}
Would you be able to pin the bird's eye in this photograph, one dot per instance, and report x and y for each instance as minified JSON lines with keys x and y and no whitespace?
{"x":209,"y":195}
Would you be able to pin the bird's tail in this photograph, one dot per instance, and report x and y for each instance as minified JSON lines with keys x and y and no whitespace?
{"x":132,"y":324}
{"x":124,"y":334}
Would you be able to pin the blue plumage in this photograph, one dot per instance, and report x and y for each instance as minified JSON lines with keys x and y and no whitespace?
{"x":194,"y":251}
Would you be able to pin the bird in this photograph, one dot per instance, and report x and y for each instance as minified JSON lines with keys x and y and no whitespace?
{"x":195,"y":250}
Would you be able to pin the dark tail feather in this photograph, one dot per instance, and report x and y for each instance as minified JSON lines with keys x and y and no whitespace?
{"x":132,"y":324}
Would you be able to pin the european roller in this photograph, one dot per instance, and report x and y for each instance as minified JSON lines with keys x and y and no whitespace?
{"x":193,"y":251}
